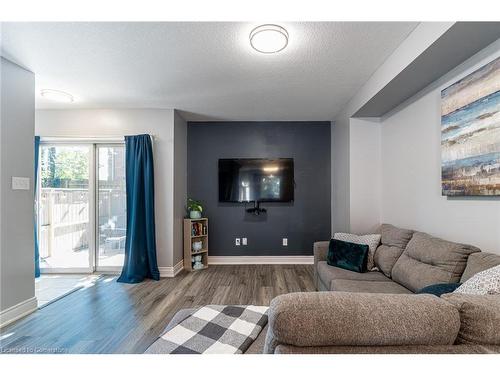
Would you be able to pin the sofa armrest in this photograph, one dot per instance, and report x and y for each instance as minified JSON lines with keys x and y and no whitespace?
{"x":320,"y":251}
{"x":360,"y":319}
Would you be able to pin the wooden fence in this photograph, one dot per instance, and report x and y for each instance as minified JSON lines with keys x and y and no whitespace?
{"x":64,"y":217}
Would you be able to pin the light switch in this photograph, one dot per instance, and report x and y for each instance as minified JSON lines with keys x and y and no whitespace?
{"x":285,"y":241}
{"x":244,"y":241}
{"x":20,"y":183}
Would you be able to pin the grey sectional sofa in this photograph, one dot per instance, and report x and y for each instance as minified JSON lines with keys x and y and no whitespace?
{"x":379,"y":312}
{"x":346,"y":322}
{"x":407,"y":261}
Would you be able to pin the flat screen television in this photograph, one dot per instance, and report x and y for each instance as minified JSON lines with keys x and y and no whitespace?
{"x":256,"y":180}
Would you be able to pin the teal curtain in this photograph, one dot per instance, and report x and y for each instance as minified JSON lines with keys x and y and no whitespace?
{"x":140,"y":243}
{"x":35,"y":219}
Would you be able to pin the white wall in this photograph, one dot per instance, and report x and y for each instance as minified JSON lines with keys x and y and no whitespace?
{"x":418,"y":41}
{"x":356,"y":172}
{"x":119,"y":122}
{"x":17,"y":280}
{"x":180,"y":184}
{"x":340,"y":175}
{"x":411,"y":171}
{"x":408,"y":144}
{"x":364,"y":175}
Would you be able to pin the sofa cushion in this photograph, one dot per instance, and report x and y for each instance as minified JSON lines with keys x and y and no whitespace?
{"x":360,"y":319}
{"x":389,"y":349}
{"x":348,"y":255}
{"x":478,"y":262}
{"x":429,"y":260}
{"x":361,"y":286}
{"x":372,"y":240}
{"x":393,"y":242}
{"x":386,"y":257}
{"x":479,"y":317}
{"x":328,"y":273}
{"x":394,"y":236}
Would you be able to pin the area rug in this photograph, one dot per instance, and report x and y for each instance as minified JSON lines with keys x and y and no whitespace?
{"x":213,"y":329}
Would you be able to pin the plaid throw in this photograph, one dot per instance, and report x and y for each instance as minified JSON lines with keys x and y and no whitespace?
{"x":216,"y":329}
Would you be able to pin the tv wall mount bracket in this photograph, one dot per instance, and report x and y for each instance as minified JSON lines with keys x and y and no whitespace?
{"x":256,"y":209}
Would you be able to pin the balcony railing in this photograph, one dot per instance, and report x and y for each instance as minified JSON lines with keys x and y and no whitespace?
{"x":64,"y":219}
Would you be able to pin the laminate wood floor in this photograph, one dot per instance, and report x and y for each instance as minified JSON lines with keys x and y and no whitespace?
{"x":111,"y":317}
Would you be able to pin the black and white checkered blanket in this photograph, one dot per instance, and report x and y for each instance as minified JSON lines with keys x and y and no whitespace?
{"x":215,"y":329}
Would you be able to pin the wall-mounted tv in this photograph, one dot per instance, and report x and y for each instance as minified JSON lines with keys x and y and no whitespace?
{"x":256,"y":180}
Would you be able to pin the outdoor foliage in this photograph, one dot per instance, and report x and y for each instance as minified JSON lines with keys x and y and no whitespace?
{"x":59,"y":168}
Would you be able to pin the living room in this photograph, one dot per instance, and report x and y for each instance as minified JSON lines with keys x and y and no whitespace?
{"x":250,"y":187}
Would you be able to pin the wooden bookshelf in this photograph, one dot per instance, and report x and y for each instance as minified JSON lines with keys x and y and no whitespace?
{"x":195,"y":230}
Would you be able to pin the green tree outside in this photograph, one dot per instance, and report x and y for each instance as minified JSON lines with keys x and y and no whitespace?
{"x":64,"y":167}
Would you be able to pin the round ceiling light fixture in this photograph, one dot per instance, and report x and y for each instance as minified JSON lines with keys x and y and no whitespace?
{"x":269,"y":38}
{"x":57,"y":96}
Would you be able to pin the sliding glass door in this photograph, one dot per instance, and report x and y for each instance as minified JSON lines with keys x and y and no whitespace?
{"x":81,"y":207}
{"x":111,"y":208}
{"x":64,"y":208}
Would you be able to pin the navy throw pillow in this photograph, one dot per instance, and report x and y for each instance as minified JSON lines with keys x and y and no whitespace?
{"x":438,"y":289}
{"x":347,"y":255}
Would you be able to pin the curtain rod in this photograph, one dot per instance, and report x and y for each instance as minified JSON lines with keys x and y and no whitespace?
{"x":71,"y":139}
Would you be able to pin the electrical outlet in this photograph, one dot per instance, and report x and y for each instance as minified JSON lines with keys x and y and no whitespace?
{"x":244,"y":241}
{"x":285,"y":241}
{"x":237,"y":242}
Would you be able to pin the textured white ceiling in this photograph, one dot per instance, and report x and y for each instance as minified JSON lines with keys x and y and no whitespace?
{"x":207,"y":70}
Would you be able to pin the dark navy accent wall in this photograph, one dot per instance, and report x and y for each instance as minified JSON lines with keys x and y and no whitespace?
{"x":303,"y":221}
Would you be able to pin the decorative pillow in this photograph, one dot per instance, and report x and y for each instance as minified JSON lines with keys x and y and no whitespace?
{"x":485,"y":282}
{"x":372,"y":240}
{"x":348,"y":255}
{"x":439,"y":289}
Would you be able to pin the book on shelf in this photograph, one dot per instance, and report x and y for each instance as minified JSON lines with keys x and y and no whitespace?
{"x":198,"y":229}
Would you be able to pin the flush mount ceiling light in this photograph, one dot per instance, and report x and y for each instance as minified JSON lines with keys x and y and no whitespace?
{"x":57,"y":96}
{"x":269,"y":38}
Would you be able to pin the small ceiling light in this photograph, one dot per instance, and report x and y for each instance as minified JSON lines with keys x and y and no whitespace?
{"x":57,"y":96}
{"x":269,"y":38}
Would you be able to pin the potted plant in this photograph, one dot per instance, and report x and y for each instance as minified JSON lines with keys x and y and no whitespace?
{"x":194,"y":208}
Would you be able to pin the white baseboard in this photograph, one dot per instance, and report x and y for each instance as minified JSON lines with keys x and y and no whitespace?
{"x":171,"y":271}
{"x":18,"y":311}
{"x":296,"y":259}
